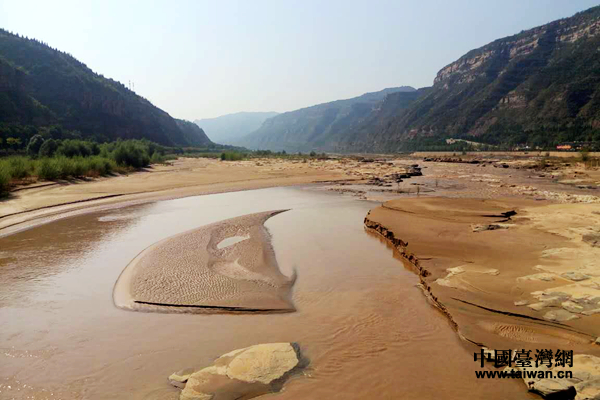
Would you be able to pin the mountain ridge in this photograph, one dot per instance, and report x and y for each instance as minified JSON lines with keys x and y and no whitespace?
{"x":539,"y":87}
{"x":42,"y":86}
{"x":308,"y":128}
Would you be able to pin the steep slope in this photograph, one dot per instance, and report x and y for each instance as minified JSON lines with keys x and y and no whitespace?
{"x":541,"y":87}
{"x":319,"y":127}
{"x":42,"y":86}
{"x":229,"y":128}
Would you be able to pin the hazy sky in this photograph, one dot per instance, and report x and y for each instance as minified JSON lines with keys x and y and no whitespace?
{"x":199,"y":59}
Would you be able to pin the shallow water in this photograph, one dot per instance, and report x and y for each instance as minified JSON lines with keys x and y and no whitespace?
{"x":362,"y":322}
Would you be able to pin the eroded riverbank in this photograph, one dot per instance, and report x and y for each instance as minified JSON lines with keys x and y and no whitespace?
{"x":508,"y":273}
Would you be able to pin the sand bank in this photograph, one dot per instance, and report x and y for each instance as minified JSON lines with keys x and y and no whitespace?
{"x":184,"y":177}
{"x":203,"y":271}
{"x":526,"y":280}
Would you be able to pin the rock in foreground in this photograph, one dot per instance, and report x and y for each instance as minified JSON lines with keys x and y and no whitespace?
{"x":584,"y":385}
{"x":244,"y":373}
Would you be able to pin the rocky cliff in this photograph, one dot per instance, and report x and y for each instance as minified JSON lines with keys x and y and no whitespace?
{"x":540,"y":86}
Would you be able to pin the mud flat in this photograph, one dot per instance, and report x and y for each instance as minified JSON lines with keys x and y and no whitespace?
{"x":228,"y":266}
{"x":508,"y":273}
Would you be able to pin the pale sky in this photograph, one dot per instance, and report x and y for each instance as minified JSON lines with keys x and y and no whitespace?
{"x":201,"y":59}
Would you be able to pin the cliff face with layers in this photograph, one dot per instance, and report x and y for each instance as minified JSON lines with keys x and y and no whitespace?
{"x":541,"y":85}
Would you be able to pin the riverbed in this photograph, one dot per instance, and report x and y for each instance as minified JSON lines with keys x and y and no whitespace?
{"x":361,"y":319}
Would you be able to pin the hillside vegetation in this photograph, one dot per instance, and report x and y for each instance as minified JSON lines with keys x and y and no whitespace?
{"x":41,"y":87}
{"x":323,"y":126}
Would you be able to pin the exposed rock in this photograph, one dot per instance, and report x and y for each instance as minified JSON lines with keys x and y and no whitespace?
{"x":543,"y":276}
{"x":244,"y":373}
{"x":559,"y":316}
{"x":593,"y":239}
{"x":572,"y":307}
{"x":575,"y":276}
{"x":179,"y":378}
{"x":457,"y":276}
{"x":521,"y":302}
{"x":554,"y":388}
{"x":584,"y":385}
{"x":487,"y":227}
{"x":537,"y":306}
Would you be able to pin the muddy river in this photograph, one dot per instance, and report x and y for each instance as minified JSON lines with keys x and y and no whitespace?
{"x":361,"y":320}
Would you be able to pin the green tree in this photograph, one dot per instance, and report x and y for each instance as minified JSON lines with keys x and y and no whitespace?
{"x":34,"y":145}
{"x":13,"y":142}
{"x":48,"y":148}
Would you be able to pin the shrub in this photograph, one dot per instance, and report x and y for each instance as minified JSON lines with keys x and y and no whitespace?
{"x":73,"y":148}
{"x":19,"y":167}
{"x":33,"y":147}
{"x":231,"y":156}
{"x":157,"y":158}
{"x":47,"y":169}
{"x":4,"y":180}
{"x":584,"y":155}
{"x":131,"y":154}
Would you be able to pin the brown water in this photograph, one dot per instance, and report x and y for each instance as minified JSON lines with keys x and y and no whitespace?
{"x":362,"y":322}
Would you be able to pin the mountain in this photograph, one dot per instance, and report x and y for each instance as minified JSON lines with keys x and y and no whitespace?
{"x":41,"y":86}
{"x":541,"y":86}
{"x":229,"y":128}
{"x":319,"y":127}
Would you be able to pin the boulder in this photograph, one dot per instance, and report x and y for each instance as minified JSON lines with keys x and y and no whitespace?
{"x":244,"y":373}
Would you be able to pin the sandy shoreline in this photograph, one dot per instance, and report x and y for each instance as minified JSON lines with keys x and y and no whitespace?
{"x":41,"y":203}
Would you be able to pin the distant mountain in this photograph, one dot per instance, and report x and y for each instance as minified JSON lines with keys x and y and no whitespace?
{"x":229,"y":128}
{"x":41,"y":86}
{"x":541,"y":86}
{"x":320,"y":127}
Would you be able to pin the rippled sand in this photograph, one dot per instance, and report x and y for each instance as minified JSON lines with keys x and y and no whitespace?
{"x":225,"y":266}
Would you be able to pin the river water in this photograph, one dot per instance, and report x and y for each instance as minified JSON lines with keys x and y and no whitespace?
{"x":367,"y":329}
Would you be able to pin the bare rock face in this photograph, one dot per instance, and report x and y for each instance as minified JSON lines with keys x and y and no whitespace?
{"x":584,"y":385}
{"x":243,"y":373}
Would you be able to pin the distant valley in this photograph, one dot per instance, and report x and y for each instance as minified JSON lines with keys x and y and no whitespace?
{"x":230,"y":128}
{"x":322,"y":126}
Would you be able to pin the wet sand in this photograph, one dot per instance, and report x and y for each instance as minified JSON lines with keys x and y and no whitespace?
{"x":360,"y":319}
{"x":204,"y":271}
{"x":529,"y":282}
